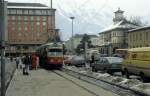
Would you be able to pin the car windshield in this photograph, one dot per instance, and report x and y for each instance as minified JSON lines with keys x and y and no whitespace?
{"x":114,"y":60}
{"x":78,"y":58}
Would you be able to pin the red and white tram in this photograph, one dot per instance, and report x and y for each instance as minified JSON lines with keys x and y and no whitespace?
{"x":51,"y":55}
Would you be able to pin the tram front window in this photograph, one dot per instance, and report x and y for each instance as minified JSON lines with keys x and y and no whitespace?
{"x":55,"y":52}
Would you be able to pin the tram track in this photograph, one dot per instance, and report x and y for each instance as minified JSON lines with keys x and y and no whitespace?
{"x":118,"y":89}
{"x":84,"y":88}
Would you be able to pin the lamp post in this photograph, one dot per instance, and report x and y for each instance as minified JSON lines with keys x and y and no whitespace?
{"x":2,"y":45}
{"x":72,"y":41}
{"x":109,"y":44}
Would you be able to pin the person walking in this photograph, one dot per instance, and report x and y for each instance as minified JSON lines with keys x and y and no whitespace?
{"x":92,"y":60}
{"x":34,"y":61}
{"x":27,"y":63}
{"x":17,"y":62}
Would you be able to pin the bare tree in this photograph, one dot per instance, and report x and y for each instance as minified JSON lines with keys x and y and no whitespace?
{"x":137,"y":20}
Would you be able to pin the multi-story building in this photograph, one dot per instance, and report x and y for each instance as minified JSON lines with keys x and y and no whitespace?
{"x":29,"y":25}
{"x":115,"y":36}
{"x":139,"y":37}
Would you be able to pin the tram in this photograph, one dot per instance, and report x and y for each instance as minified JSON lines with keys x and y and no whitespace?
{"x":51,"y":55}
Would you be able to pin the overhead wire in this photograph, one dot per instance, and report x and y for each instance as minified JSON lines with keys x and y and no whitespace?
{"x":80,"y":7}
{"x":103,"y":6}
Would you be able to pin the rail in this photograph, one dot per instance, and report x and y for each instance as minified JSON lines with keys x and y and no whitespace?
{"x":118,"y":89}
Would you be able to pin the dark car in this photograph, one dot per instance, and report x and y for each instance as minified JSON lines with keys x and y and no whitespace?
{"x":108,"y":64}
{"x":78,"y":61}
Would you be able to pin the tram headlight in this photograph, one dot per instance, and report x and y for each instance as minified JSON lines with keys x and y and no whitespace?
{"x":59,"y":60}
{"x":51,"y":60}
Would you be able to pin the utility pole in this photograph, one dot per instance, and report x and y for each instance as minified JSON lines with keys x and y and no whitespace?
{"x":72,"y":41}
{"x":2,"y":45}
{"x":51,"y":4}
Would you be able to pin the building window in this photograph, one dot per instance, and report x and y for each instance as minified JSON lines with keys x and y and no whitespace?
{"x":25,"y":28}
{"x":25,"y":11}
{"x":43,"y":12}
{"x":38,"y":12}
{"x":25,"y":18}
{"x":19,"y":23}
{"x":32,"y":29}
{"x":38,"y":18}
{"x":147,"y":45}
{"x":19,"y":11}
{"x":19,"y":28}
{"x":31,"y":11}
{"x":44,"y":23}
{"x":25,"y":23}
{"x":140,"y":36}
{"x":32,"y":18}
{"x":8,"y":12}
{"x":37,"y":23}
{"x":13,"y":28}
{"x":13,"y":11}
{"x":18,"y":47}
{"x":44,"y":29}
{"x":50,"y":12}
{"x":146,"y":35}
{"x":13,"y":18}
{"x":32,"y":26}
{"x":44,"y":18}
{"x":19,"y":18}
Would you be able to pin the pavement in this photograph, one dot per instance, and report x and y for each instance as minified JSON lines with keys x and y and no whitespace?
{"x":41,"y":82}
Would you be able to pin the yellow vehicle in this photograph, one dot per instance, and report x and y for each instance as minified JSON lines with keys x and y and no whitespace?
{"x":137,"y":62}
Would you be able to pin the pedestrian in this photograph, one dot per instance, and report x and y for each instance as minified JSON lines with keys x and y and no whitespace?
{"x":26,"y":63}
{"x":92,"y":59}
{"x":34,"y":61}
{"x":37,"y":62}
{"x":17,"y":62}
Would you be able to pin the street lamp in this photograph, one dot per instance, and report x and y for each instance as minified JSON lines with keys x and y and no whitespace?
{"x":72,"y":42}
{"x":2,"y":44}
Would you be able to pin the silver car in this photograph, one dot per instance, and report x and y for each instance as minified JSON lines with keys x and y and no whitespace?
{"x":78,"y":61}
{"x":108,"y":64}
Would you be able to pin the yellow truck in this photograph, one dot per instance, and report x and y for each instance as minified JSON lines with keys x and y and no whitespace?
{"x":137,"y":62}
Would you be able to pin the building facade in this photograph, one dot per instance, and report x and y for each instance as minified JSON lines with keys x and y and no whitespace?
{"x":115,"y":36}
{"x":29,"y":25}
{"x":139,"y":37}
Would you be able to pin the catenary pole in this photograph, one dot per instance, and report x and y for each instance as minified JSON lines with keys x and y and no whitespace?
{"x":72,"y":40}
{"x":51,"y":3}
{"x":2,"y":46}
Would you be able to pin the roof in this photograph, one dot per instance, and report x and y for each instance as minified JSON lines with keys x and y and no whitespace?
{"x":123,"y":24}
{"x":139,"y":28}
{"x":27,"y":5}
{"x":140,"y":49}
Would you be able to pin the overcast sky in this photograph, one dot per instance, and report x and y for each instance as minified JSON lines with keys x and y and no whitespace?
{"x":92,"y":15}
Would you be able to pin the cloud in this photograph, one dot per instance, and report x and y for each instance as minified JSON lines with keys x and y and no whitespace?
{"x":92,"y":15}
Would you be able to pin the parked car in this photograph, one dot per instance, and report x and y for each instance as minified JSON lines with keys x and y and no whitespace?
{"x":137,"y":62}
{"x":108,"y":64}
{"x":78,"y":61}
{"x":67,"y":60}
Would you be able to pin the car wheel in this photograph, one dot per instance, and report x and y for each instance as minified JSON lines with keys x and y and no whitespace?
{"x":110,"y":72}
{"x":126,"y":73}
{"x":93,"y":69}
{"x":142,"y":77}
